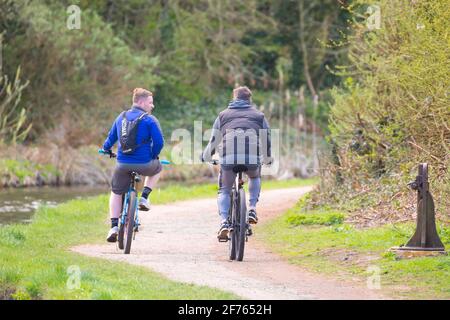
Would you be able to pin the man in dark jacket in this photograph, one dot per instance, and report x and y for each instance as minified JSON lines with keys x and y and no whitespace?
{"x":143,"y":159}
{"x":241,"y":135}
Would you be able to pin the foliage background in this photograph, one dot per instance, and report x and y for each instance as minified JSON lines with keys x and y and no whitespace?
{"x":190,"y":53}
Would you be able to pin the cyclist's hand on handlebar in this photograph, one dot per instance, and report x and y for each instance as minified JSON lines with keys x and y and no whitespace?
{"x":212,"y":161}
{"x":268,"y":161}
{"x":108,"y":152}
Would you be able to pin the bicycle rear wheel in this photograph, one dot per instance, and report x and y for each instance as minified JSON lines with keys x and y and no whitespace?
{"x":241,"y":223}
{"x":232,"y":244}
{"x":122,"y":226}
{"x":129,"y":222}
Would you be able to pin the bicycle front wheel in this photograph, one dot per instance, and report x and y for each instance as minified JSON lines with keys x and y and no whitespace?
{"x":129,"y":222}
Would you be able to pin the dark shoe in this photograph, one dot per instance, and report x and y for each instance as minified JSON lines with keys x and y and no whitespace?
{"x":252,"y":218}
{"x":223,"y":231}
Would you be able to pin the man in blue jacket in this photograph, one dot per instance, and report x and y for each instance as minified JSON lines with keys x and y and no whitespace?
{"x":142,"y":158}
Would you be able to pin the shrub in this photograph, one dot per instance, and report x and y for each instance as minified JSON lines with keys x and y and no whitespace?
{"x":14,"y":126}
{"x":392,"y":113}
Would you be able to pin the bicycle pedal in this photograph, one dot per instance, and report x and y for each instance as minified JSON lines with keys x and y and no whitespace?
{"x":222,"y":239}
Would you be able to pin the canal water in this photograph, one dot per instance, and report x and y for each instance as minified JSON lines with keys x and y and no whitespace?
{"x":18,"y":205}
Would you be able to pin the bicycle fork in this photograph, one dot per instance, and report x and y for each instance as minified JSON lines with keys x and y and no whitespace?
{"x":136,"y":223}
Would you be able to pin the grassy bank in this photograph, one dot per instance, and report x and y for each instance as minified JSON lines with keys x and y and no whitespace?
{"x":35,"y":262}
{"x":321,"y":241}
{"x":177,"y":192}
{"x":24,"y":173}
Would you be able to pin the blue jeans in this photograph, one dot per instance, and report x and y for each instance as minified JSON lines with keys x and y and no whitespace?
{"x":226,"y":180}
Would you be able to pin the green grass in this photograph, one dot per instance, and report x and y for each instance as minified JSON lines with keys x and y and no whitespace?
{"x":35,"y":262}
{"x":326,"y":219}
{"x":320,"y":241}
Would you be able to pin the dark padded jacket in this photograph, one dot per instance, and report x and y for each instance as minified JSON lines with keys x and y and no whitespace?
{"x":240,"y":134}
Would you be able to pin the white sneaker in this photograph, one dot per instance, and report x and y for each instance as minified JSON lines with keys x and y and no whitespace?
{"x":112,"y":234}
{"x":144,"y":204}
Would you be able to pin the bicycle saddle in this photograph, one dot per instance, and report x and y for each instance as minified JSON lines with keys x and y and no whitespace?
{"x":136,"y":176}
{"x":240,"y":168}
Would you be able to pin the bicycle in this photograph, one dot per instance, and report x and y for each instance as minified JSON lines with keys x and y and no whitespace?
{"x":129,"y":218}
{"x":238,"y":216}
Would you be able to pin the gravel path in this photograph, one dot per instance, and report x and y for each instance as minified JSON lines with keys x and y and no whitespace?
{"x":179,"y":241}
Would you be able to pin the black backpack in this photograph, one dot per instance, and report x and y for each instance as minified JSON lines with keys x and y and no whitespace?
{"x":128,"y":134}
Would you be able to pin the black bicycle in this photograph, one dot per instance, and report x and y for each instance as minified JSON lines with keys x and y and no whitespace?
{"x":238,"y":216}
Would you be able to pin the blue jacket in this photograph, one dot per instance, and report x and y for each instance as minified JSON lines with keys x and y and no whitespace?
{"x":148,"y":129}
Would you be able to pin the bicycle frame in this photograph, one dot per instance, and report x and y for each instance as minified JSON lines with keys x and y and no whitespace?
{"x":126,"y":203}
{"x":125,"y":208}
{"x":239,"y":220}
{"x":237,"y":185}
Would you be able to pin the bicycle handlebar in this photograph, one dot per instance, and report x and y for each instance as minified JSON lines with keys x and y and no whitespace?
{"x":216,"y":162}
{"x":113,"y":155}
{"x":107,"y":152}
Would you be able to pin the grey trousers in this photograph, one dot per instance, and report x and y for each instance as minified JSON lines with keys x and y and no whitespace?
{"x":226,"y":180}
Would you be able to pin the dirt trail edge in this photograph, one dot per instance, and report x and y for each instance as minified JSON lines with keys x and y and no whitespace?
{"x":179,"y":241}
